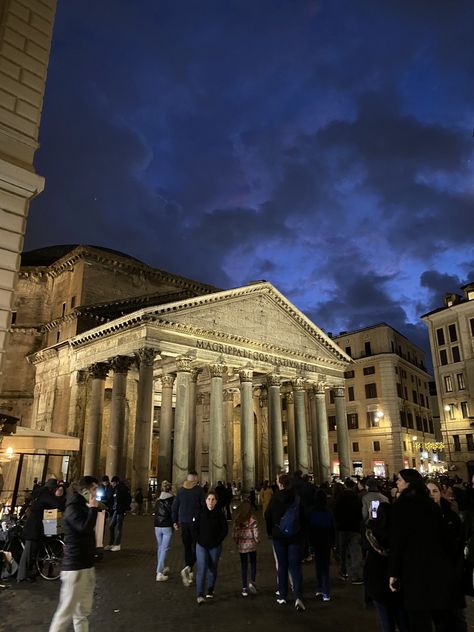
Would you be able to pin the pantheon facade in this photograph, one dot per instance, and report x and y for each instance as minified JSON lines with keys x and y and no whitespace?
{"x":235,"y":380}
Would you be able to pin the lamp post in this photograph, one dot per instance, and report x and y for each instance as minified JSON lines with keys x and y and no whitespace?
{"x":447,"y":409}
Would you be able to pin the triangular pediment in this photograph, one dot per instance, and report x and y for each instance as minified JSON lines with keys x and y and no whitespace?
{"x":258,"y":313}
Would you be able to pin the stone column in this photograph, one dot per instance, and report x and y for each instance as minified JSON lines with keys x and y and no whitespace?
{"x":342,"y":432}
{"x":300,"y":426}
{"x":247,"y":429}
{"x":229,"y":432}
{"x":314,"y":437}
{"x":199,"y":430}
{"x":181,"y":422}
{"x":98,"y":373}
{"x":143,"y":420}
{"x":216,"y":431}
{"x":290,"y":420}
{"x":264,"y":473}
{"x":192,"y":418}
{"x":113,"y":465}
{"x":166,"y":428}
{"x":274,"y":421}
{"x":322,"y":432}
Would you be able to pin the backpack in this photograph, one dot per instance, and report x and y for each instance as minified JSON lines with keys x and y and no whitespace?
{"x":289,"y":524}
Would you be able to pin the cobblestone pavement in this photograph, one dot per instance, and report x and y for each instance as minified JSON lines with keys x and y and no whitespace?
{"x":127,"y":597}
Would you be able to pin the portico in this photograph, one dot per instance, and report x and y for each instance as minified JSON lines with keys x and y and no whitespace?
{"x":236,"y":377}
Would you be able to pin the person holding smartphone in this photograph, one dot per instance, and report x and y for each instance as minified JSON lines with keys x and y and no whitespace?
{"x":371,"y":500}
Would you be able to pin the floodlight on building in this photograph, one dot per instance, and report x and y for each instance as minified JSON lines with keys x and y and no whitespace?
{"x":379,"y":414}
{"x":447,"y":408}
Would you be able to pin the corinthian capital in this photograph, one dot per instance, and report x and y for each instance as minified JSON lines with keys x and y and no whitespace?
{"x":183,"y":363}
{"x":121,"y":364}
{"x":99,"y":370}
{"x":217,"y":369}
{"x":339,"y":391}
{"x":146,"y":356}
{"x":274,"y":379}
{"x":320,"y":388}
{"x":246,"y":374}
{"x":167,"y":380}
{"x":290,"y":398}
{"x":298,"y":384}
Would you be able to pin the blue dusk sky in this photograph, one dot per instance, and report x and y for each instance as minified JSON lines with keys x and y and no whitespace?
{"x":323,"y":145}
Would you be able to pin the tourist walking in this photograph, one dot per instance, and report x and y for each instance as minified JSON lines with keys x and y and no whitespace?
{"x":245,"y":535}
{"x":187,"y":505}
{"x":163,"y":529}
{"x":288,"y":540}
{"x":322,"y":536}
{"x":211,"y":531}
{"x":121,"y":501}
{"x":348,"y":519}
{"x":78,"y":573}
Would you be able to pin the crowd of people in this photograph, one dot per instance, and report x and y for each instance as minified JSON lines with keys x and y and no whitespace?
{"x":409,"y":541}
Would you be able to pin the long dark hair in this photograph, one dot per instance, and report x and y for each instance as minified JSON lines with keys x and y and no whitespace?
{"x":416,"y":484}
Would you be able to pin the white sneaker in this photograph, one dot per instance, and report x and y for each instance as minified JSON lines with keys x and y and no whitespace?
{"x":299,"y":605}
{"x":190,"y":576}
{"x":252,"y":589}
{"x":115,"y":547}
{"x":107,"y":547}
{"x":166,"y":570}
{"x":161,"y":578}
{"x":185,"y":576}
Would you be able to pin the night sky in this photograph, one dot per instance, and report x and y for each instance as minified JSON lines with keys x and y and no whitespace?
{"x":323,"y":145}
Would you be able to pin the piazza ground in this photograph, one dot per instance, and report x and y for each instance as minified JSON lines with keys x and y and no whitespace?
{"x":127,"y":597}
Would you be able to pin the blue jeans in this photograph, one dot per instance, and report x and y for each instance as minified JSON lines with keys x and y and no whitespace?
{"x":115,"y":528}
{"x":207,"y":561}
{"x":163,"y":543}
{"x":391,"y":618}
{"x":289,"y":559}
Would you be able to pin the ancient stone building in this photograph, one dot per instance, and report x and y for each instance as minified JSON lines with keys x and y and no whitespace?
{"x":151,"y":371}
{"x":25,"y":40}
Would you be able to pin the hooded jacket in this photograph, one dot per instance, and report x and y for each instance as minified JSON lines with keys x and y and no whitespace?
{"x":211,"y":527}
{"x":79,"y":535}
{"x":188,"y":503}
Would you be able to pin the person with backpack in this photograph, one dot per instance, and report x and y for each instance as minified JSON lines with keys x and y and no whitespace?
{"x":284,"y":520}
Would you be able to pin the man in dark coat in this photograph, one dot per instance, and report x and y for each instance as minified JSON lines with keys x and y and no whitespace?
{"x":348,"y":518}
{"x":78,"y":572}
{"x":120,"y":505}
{"x":33,"y":530}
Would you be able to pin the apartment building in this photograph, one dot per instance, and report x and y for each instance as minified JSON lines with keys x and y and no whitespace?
{"x":388,"y":405}
{"x":451,"y":332}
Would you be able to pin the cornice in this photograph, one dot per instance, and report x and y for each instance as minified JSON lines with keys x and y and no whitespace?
{"x":42,"y":356}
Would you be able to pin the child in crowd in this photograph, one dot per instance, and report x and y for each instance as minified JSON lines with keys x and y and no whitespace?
{"x":245,"y":534}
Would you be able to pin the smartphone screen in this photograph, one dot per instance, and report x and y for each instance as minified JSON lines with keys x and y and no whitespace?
{"x":374,"y":505}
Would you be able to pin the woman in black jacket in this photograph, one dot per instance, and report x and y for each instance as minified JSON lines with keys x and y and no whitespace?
{"x":211,"y":531}
{"x":419,"y":562}
{"x":163,"y":530}
{"x":288,"y":547}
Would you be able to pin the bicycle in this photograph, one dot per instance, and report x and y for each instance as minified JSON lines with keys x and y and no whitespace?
{"x":49,"y":558}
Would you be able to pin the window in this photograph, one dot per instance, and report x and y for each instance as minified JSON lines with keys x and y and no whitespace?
{"x":404,"y":446}
{"x":369,"y":370}
{"x":370,"y":391}
{"x":367,"y":348}
{"x":453,"y":336}
{"x":334,"y":447}
{"x":376,"y":446}
{"x":456,"y":354}
{"x":415,"y":397}
{"x":349,"y":351}
{"x":331,"y":397}
{"x":457,"y":443}
{"x":403,"y":418}
{"x":332,"y":422}
{"x":410,"y":420}
{"x":393,"y":346}
{"x":471,"y":321}
{"x":355,"y":447}
{"x":73,"y":302}
{"x":448,"y":384}
{"x":349,"y":374}
{"x":425,"y":425}
{"x":404,"y":373}
{"x":419,"y":425}
{"x":440,"y":336}
{"x":422,"y":399}
{"x":464,"y":410}
{"x":63,"y":310}
{"x":350,"y":393}
{"x":430,"y":425}
{"x":470,"y":442}
{"x":396,"y":370}
{"x":443,"y":357}
{"x":399,"y":390}
{"x":13,"y":318}
{"x":461,"y":382}
{"x":373,"y":420}
{"x":352,"y":421}
{"x":412,"y":378}
{"x":451,"y":411}
{"x":405,"y":391}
